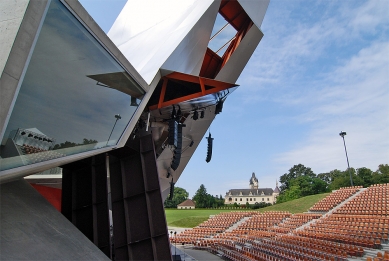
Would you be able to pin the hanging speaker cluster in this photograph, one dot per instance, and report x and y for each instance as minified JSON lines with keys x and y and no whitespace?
{"x":219,"y":107}
{"x":209,"y":149}
{"x":173,"y":133}
{"x":198,"y":114}
{"x":171,"y":190}
{"x":173,"y":126}
{"x":178,"y":149}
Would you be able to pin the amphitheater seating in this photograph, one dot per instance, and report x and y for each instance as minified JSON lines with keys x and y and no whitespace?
{"x":334,"y":199}
{"x":35,"y":155}
{"x":212,"y":227}
{"x":361,"y":223}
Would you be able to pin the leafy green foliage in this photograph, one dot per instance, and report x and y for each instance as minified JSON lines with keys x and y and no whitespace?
{"x":300,"y":181}
{"x":205,"y":200}
{"x":295,"y":172}
{"x":179,"y":196}
{"x":289,"y":194}
{"x":381,"y":176}
{"x":69,"y":144}
{"x":201,"y":197}
{"x":260,"y":205}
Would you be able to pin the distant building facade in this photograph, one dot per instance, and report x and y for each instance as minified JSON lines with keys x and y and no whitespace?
{"x":187,"y":204}
{"x":252,"y":195}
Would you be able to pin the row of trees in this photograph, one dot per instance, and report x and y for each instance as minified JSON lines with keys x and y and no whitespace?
{"x":202,"y":198}
{"x":301,"y":181}
{"x":205,"y":200}
{"x":179,"y":196}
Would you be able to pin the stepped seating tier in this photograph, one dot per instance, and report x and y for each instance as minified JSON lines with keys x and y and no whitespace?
{"x":346,"y":224}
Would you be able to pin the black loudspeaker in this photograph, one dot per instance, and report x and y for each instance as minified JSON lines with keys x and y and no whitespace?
{"x":171,"y":190}
{"x":219,"y":107}
{"x":173,"y":132}
{"x":177,"y":151}
{"x":209,"y":149}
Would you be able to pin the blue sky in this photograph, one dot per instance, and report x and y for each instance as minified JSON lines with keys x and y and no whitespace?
{"x":322,"y":67}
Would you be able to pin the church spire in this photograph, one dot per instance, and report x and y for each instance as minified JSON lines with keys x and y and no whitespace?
{"x":253,"y":182}
{"x":277,"y":190}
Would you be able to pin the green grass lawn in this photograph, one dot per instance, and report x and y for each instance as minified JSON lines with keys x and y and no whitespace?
{"x":189,"y":217}
{"x":193,"y":217}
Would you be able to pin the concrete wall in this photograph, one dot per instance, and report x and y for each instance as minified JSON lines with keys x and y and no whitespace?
{"x":32,"y":229}
{"x":11,"y":15}
{"x":20,"y":27}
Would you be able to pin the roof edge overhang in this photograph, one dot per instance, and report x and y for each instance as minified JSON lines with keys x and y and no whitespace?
{"x":168,"y":89}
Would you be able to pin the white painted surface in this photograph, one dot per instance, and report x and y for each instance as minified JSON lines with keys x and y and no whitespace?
{"x":147,"y":32}
{"x":238,"y":60}
{"x":255,"y":10}
{"x":189,"y":54}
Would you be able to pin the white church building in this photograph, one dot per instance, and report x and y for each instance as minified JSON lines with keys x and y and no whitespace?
{"x":253,"y":194}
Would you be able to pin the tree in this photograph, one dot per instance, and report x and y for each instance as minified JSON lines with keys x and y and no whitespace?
{"x":381,"y":176}
{"x":319,"y":186}
{"x":295,"y":172}
{"x":179,"y":196}
{"x":69,"y":144}
{"x":342,"y":179}
{"x":383,"y":169}
{"x":309,"y":185}
{"x":201,"y":197}
{"x":365,"y":175}
{"x":326,"y":177}
{"x":289,"y":194}
{"x":205,"y":200}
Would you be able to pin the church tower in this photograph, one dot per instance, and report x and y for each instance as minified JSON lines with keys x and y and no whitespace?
{"x":253,"y":182}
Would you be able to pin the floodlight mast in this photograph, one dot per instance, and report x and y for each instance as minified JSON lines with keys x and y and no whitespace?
{"x":342,"y":134}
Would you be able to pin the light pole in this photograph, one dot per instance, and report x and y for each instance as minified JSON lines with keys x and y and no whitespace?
{"x":342,"y":134}
{"x":171,"y":237}
{"x":183,"y":247}
{"x":175,"y":246}
{"x":118,"y":117}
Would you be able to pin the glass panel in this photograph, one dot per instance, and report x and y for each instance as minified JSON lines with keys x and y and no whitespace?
{"x":74,"y":97}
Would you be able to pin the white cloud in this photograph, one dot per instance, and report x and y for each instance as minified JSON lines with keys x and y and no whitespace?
{"x":358,"y":104}
{"x":367,"y":17}
{"x":291,"y":46}
{"x":333,"y":73}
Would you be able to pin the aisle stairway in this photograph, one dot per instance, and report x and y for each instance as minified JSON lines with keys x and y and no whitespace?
{"x":325,"y":214}
{"x":237,"y":224}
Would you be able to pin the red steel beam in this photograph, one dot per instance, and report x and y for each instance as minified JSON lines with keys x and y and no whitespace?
{"x":217,"y":86}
